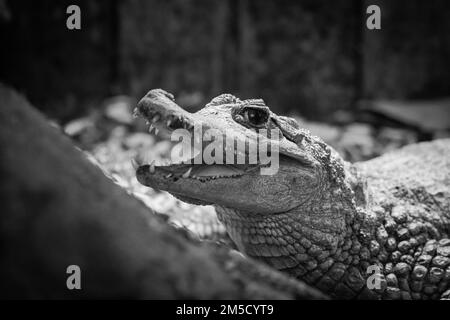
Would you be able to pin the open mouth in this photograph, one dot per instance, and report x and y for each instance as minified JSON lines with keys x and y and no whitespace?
{"x":191,"y":167}
{"x":200,"y":172}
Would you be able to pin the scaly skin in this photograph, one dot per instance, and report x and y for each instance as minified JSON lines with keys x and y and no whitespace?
{"x":319,"y":218}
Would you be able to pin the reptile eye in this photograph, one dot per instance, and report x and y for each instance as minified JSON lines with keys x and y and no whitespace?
{"x":256,"y":117}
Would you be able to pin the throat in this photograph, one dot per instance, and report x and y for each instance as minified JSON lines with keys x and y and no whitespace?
{"x":295,"y":242}
{"x":314,"y":244}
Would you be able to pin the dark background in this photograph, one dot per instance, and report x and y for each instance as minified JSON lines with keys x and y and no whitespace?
{"x":312,"y":59}
{"x":309,"y":57}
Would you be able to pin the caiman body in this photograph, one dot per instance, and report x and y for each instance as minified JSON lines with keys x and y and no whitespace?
{"x":378,"y":229}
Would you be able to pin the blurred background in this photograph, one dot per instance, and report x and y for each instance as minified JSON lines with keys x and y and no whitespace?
{"x":313,"y":59}
{"x":363,"y":91}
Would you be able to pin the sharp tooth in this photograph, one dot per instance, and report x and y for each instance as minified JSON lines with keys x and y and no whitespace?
{"x":156,"y":118}
{"x":169,"y":175}
{"x":187,"y":173}
{"x":156,"y":131}
{"x":150,"y":129}
{"x":152,"y":167}
{"x":169,"y":122}
{"x":134,"y":163}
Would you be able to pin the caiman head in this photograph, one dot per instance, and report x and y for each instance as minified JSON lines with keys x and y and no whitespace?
{"x":301,"y":199}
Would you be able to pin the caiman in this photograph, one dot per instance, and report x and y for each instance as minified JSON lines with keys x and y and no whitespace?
{"x":371,"y":230}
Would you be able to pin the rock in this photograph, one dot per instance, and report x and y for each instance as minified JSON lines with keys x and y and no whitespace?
{"x":427,"y":115}
{"x":58,"y":209}
{"x":119,"y":108}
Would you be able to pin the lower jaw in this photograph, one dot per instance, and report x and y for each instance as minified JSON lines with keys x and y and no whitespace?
{"x":192,"y":200}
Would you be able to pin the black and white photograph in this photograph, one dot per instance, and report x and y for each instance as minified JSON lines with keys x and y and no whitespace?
{"x":224,"y":151}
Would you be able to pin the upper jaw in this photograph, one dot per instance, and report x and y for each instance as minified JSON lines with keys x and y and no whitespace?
{"x":164,"y":116}
{"x":159,"y":109}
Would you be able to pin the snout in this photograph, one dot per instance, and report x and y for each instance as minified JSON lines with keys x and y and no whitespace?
{"x":158,"y":108}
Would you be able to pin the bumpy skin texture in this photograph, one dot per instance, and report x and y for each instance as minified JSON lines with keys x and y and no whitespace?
{"x":407,"y":213}
{"x":320,"y":219}
{"x":401,"y":224}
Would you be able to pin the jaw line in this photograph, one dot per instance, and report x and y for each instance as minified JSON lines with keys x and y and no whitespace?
{"x":163,"y":177}
{"x":192,"y":200}
{"x":195,"y":171}
{"x":173,"y":179}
